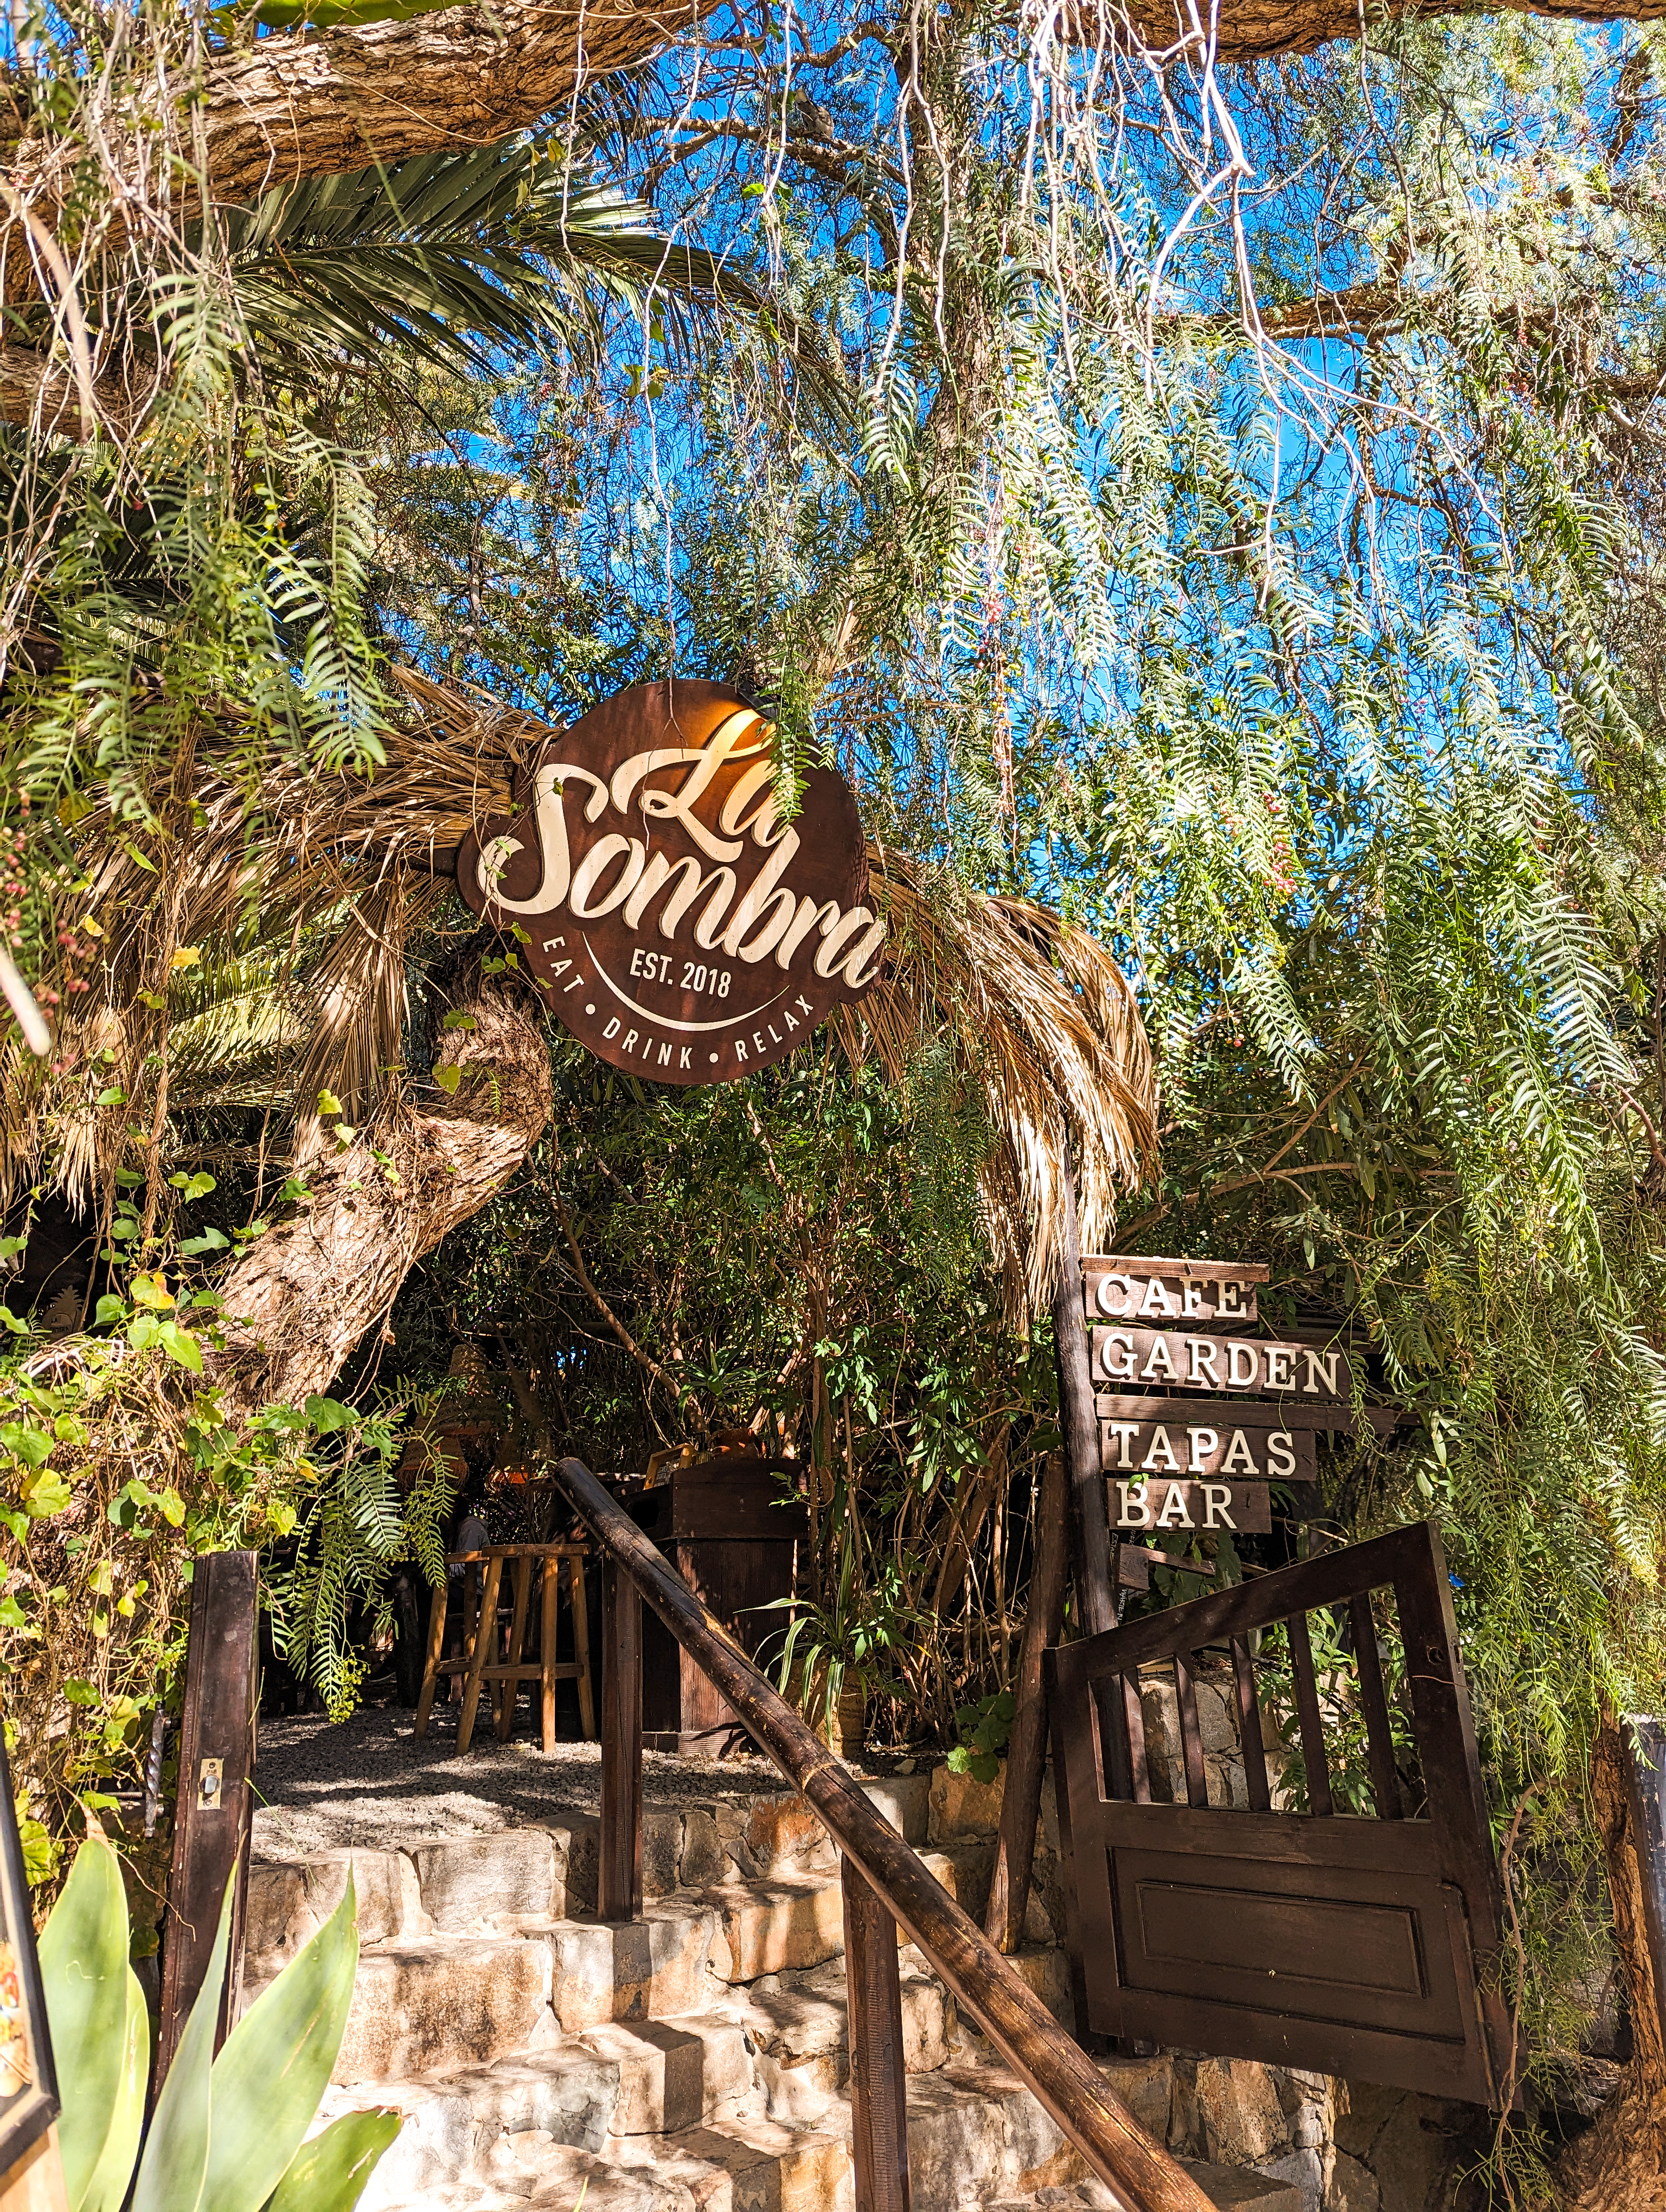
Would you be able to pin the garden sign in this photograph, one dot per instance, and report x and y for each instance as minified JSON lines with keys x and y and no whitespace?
{"x":680,"y":925}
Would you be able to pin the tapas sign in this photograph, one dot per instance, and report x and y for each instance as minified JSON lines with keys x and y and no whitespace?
{"x":682,"y":929}
{"x":1175,"y":1445}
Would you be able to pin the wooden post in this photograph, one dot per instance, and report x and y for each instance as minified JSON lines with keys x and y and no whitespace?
{"x":619,"y":1874}
{"x":1026,"y":1753}
{"x":878,"y":2078}
{"x":212,"y":1812}
{"x":1079,"y":1422}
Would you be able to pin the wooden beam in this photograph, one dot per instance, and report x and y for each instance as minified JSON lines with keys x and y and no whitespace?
{"x":1026,"y":1751}
{"x":1079,"y":1424}
{"x":619,"y":1873}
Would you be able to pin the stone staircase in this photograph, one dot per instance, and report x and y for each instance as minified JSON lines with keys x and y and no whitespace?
{"x":695,"y":2060}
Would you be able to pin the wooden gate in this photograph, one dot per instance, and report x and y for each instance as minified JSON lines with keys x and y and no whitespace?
{"x":1347,"y":1942}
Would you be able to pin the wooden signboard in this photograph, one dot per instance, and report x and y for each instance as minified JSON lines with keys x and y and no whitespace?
{"x":1163,"y":1359}
{"x":1124,"y":1289}
{"x":1154,"y":1502}
{"x":1176,"y":1444}
{"x":680,"y":926}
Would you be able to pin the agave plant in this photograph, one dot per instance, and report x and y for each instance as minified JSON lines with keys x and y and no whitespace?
{"x":227,"y":2134}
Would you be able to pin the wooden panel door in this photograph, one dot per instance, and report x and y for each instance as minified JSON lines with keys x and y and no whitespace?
{"x":1350,"y":1941}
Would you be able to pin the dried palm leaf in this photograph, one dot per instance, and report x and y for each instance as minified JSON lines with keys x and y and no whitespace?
{"x":333,"y":877}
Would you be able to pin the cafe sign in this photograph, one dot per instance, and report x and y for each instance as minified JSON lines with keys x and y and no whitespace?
{"x":680,"y":925}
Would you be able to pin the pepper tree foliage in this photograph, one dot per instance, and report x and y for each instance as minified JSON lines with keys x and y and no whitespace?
{"x":1309,"y":651}
{"x":1220,"y":501}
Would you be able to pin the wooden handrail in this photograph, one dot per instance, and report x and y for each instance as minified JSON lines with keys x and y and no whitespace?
{"x":1062,"y":2077}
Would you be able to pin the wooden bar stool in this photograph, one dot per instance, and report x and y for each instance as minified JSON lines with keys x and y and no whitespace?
{"x":476,"y":1662}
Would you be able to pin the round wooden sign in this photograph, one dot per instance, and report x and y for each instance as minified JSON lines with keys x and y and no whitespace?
{"x":680,"y":926}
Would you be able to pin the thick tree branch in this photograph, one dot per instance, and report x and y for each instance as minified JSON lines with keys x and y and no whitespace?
{"x":1255,"y":30}
{"x":312,"y":104}
{"x":300,"y":1300}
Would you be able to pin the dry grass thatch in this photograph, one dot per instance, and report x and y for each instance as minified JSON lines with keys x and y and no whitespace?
{"x":325,"y":883}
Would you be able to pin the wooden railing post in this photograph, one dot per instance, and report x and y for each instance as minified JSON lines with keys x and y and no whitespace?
{"x":878,"y":2078}
{"x":619,"y":1873}
{"x":1026,"y":1750}
{"x":212,"y":1812}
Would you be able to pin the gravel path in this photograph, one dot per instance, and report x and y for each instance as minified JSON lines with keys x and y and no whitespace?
{"x":322,"y":1785}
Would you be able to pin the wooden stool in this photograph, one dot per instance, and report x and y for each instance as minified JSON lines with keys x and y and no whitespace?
{"x":480,"y":1638}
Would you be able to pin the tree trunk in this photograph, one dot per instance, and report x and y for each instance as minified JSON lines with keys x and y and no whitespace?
{"x":300,"y":1299}
{"x":1620,"y":2164}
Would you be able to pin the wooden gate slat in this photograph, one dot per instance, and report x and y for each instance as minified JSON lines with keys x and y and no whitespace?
{"x":1312,"y":1720}
{"x":1191,"y":1735}
{"x":1249,"y":1735}
{"x":1379,"y":1735}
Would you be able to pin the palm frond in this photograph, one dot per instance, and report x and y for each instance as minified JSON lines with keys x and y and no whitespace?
{"x":451,"y":257}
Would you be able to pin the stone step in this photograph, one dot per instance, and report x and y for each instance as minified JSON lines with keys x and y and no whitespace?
{"x":501,"y":1880}
{"x":742,"y":2166}
{"x":430,"y":1995}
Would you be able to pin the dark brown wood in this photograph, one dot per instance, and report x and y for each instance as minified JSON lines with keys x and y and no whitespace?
{"x":676,"y":925}
{"x":1138,"y":1758}
{"x":1247,"y":1413}
{"x":1249,"y":1735}
{"x":216,"y":1803}
{"x":619,"y":1868}
{"x":1154,"y":1505}
{"x":739,"y":1581}
{"x":1126,"y":1358}
{"x":879,"y":2069}
{"x":1060,"y":2076}
{"x":1095,"y":1602}
{"x":1191,"y":1735}
{"x":1171,"y":1290}
{"x":1026,"y":1744}
{"x":1309,"y":1716}
{"x":735,"y":1543}
{"x":1365,"y":1946}
{"x":1374,"y":1704}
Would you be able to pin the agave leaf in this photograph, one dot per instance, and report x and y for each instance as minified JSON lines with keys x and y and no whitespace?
{"x":176,"y":2153}
{"x":329,"y":2174}
{"x":84,"y":1970}
{"x":275,"y":2065}
{"x":107,"y":2190}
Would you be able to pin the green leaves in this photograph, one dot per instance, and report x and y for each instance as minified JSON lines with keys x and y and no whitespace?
{"x":276,"y":2064}
{"x":175,"y":2166}
{"x":329,"y":2174}
{"x":85,"y":1975}
{"x":226,"y":2133}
